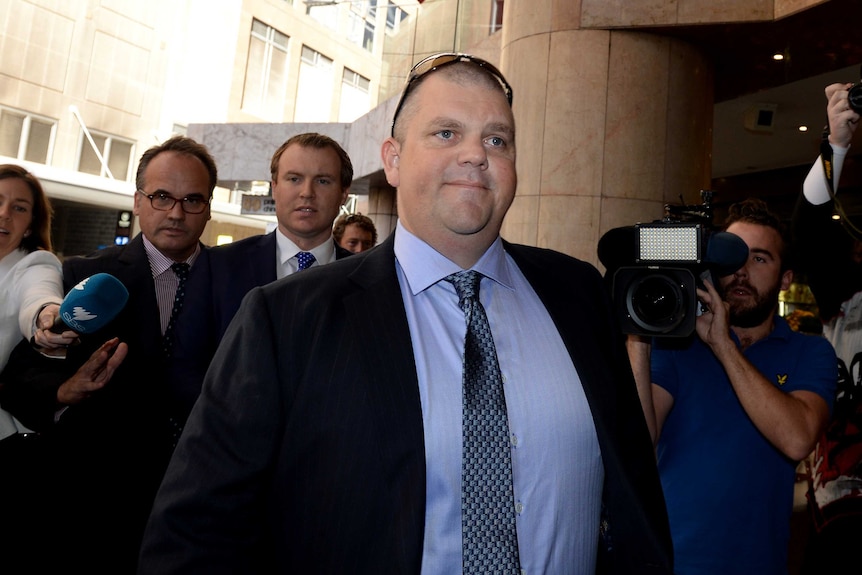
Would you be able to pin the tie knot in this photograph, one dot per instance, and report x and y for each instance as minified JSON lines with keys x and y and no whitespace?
{"x":181,"y":270}
{"x":305,"y":260}
{"x":466,"y":284}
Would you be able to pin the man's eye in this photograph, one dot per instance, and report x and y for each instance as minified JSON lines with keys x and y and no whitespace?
{"x":193,"y":201}
{"x":446,"y":134}
{"x":496,"y":141}
{"x":161,"y":196}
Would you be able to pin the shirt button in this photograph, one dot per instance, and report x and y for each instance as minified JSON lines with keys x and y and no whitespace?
{"x":514,"y":440}
{"x":519,"y":508}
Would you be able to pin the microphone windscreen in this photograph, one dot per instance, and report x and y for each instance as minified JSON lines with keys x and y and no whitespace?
{"x":93,"y":302}
{"x":725,"y":253}
{"x":618,"y":248}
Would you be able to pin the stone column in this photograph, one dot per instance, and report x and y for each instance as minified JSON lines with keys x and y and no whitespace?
{"x":611,"y":125}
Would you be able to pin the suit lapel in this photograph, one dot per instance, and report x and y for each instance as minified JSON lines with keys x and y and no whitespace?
{"x":387,"y":353}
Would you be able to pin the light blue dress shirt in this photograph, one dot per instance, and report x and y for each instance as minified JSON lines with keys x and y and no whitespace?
{"x":556,"y":462}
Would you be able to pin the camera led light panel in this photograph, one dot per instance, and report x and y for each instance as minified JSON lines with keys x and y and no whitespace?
{"x":669,"y":243}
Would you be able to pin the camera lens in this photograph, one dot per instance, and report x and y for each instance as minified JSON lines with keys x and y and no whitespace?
{"x":854,"y":98}
{"x":657,"y":303}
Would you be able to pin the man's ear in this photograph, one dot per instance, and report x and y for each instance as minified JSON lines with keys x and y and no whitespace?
{"x":390,"y":154}
{"x":137,"y":199}
{"x":786,"y":279}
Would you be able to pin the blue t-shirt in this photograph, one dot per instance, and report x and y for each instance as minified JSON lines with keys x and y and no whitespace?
{"x":729,"y":492}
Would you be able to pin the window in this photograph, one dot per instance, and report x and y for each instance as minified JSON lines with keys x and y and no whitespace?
{"x":265,"y":72}
{"x":362,"y":23}
{"x":394,"y":16}
{"x":26,"y":137}
{"x":355,"y":99}
{"x":326,"y":14}
{"x":315,"y":87}
{"x":496,"y":15}
{"x":116,"y":153}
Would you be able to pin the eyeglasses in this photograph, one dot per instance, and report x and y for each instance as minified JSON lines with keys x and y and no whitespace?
{"x":164,"y":202}
{"x":437,"y":61}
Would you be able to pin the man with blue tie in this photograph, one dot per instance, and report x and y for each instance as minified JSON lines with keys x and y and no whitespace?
{"x":311,"y":176}
{"x":435,"y":405}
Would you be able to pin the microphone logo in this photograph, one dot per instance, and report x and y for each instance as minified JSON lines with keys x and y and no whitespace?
{"x":80,"y":285}
{"x":78,"y":315}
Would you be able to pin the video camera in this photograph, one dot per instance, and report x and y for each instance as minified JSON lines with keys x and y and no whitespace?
{"x":656,"y":267}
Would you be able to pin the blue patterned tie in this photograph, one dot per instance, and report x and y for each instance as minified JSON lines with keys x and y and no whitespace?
{"x":305,"y":260}
{"x":489,"y":537}
{"x":182,"y":272}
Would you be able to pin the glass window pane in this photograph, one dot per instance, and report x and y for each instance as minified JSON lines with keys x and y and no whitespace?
{"x":119,"y":159}
{"x":276,"y":86}
{"x":10,"y":133}
{"x":254,"y":75}
{"x":89,"y":162}
{"x":38,"y":142}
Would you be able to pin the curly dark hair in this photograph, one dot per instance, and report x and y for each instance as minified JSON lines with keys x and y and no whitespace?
{"x":755,"y":211}
{"x":364,"y":223}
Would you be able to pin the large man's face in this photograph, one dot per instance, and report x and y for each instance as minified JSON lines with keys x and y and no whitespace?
{"x":308,"y":194}
{"x":173,"y":232}
{"x":455,"y":168}
{"x":752,"y":291}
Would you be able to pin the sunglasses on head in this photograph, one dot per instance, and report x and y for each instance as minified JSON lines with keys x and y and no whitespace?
{"x":437,"y":61}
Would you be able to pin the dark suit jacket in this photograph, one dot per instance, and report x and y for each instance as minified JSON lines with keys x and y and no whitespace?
{"x":305,"y":450}
{"x":112,"y":449}
{"x":240,"y":266}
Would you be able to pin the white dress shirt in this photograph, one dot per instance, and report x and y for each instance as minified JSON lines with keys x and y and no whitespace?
{"x":285,"y":254}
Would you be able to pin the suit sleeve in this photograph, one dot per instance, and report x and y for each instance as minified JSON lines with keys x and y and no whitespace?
{"x":29,"y":383}
{"x":209,"y":510}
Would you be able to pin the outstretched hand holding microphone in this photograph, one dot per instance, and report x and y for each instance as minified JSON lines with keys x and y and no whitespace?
{"x":88,"y":307}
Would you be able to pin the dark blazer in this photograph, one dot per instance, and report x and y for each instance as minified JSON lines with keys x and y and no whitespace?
{"x":305,"y":451}
{"x":111,"y":450}
{"x":240,"y":266}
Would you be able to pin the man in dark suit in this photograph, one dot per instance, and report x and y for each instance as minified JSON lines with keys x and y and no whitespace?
{"x":338,"y":429}
{"x":311,"y":175}
{"x":112,"y":410}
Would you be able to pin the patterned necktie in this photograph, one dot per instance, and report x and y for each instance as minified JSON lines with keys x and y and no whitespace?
{"x":489,"y":537}
{"x":182,"y":272}
{"x":305,"y":260}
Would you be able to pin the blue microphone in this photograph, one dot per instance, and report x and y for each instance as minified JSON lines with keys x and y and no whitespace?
{"x":91,"y":304}
{"x":725,"y":253}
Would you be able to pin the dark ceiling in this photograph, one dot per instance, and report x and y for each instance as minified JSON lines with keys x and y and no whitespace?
{"x":815,"y":42}
{"x":821,"y":39}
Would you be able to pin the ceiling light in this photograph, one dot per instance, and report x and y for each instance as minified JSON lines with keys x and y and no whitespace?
{"x":802,"y":128}
{"x":778,"y":56}
{"x":836,"y":217}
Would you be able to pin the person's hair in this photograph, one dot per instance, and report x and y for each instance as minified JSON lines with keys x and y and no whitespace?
{"x":317,"y":141}
{"x":179,"y":145}
{"x":40,"y":226}
{"x":755,"y":211}
{"x":463,"y":73}
{"x":364,"y":223}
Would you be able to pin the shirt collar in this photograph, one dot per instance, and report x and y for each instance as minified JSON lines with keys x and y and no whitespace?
{"x":424,"y":266}
{"x":159,"y":262}
{"x":323,"y":254}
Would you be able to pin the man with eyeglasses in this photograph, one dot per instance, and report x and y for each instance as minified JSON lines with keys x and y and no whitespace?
{"x":381,"y":415}
{"x":114,"y":408}
{"x":310,"y":176}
